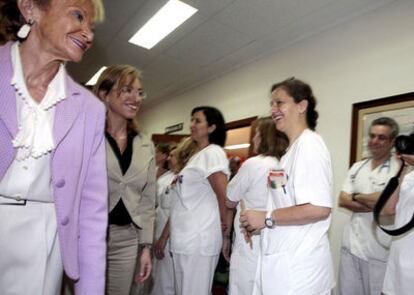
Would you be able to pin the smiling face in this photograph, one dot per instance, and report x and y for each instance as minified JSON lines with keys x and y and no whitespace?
{"x":199,"y":127}
{"x":380,"y":141}
{"x":124,"y":100}
{"x":286,"y":113}
{"x":64,"y":28}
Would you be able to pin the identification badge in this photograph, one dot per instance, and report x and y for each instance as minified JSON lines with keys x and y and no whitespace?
{"x":277,"y":179}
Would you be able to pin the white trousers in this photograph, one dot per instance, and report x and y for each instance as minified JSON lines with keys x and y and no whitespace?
{"x":121,"y":259}
{"x":358,"y":276}
{"x":163,"y":275}
{"x":30,"y":261}
{"x":194,"y":273}
{"x":242,"y":272}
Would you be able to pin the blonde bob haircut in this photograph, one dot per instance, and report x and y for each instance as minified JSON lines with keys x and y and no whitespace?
{"x":113,"y":79}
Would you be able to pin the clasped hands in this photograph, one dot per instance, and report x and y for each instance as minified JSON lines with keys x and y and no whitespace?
{"x":252,"y":220}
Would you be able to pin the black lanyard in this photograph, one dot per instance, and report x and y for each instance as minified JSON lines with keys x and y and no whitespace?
{"x":382,"y":200}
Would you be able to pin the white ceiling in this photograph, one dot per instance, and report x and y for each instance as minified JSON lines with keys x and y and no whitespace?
{"x":222,"y":36}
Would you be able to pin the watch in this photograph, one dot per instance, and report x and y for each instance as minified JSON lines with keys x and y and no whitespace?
{"x":146,"y":246}
{"x":269,"y":223}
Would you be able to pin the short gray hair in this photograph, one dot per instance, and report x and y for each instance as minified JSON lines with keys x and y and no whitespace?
{"x":386,"y":121}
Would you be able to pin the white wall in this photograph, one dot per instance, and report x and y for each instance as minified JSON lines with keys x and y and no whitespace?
{"x":371,"y":57}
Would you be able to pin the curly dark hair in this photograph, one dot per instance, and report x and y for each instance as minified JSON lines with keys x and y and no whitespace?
{"x":214,"y":117}
{"x":299,"y":91}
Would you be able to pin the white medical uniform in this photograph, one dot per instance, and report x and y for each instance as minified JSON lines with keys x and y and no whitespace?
{"x":195,"y":226}
{"x":296,"y":259}
{"x":399,"y":277}
{"x":250,"y":185}
{"x":365,"y":246}
{"x":163,"y":270}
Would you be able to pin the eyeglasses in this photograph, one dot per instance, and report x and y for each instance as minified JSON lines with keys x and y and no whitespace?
{"x":129,"y":90}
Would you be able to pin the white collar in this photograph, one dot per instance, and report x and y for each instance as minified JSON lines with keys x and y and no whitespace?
{"x":56,"y":90}
{"x":35,"y":137}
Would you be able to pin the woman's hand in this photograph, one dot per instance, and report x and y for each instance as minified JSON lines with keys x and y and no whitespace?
{"x":145,"y":266}
{"x":159,"y":248}
{"x":252,"y":220}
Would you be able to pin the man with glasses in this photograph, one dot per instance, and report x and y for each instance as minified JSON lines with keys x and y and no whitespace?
{"x":365,"y":247}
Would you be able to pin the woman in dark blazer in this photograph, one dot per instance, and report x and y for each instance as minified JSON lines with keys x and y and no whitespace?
{"x":131,"y":179}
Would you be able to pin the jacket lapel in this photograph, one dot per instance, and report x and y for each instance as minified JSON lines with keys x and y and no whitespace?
{"x":8,"y":112}
{"x":66,"y":112}
{"x":112,"y":162}
{"x":137,"y":163}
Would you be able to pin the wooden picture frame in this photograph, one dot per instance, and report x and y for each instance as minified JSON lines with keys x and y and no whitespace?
{"x":399,"y":107}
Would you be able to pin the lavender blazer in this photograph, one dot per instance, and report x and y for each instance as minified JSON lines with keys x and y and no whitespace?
{"x":79,"y":179}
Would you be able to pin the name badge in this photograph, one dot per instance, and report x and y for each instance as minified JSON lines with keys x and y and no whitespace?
{"x":277,"y":179}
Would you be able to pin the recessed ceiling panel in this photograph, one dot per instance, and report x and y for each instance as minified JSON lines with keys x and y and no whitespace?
{"x":209,"y":43}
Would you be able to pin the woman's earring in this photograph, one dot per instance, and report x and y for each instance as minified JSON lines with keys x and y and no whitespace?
{"x":25,"y":30}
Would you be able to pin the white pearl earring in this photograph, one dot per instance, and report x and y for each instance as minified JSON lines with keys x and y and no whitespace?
{"x":25,"y":30}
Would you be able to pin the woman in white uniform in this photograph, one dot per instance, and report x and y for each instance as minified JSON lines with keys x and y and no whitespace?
{"x":163,"y":267}
{"x":295,"y":255}
{"x":196,"y":218}
{"x":250,"y":185}
{"x":399,"y":275}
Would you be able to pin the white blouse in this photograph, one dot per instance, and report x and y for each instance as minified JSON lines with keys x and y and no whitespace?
{"x":30,"y":170}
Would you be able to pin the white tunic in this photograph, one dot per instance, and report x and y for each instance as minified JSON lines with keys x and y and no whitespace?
{"x":296,"y":259}
{"x":361,"y":236}
{"x":249,"y":184}
{"x":162,"y":213}
{"x":195,"y":219}
{"x":399,"y":276}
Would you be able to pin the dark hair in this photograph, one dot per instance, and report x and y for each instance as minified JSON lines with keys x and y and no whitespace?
{"x":165,"y":148}
{"x":272,"y":141}
{"x":11,"y":19}
{"x":386,"y":121}
{"x":213,"y":117}
{"x":299,"y":91}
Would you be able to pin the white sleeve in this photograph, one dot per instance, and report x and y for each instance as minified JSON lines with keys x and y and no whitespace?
{"x":347,"y":186}
{"x":313,"y":174}
{"x":211,"y":160}
{"x":239,"y":185}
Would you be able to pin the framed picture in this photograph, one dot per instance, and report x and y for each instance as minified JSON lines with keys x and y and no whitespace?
{"x":399,"y":107}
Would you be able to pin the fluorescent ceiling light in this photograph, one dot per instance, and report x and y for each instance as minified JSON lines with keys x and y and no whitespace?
{"x":237,"y":146}
{"x":95,"y":77}
{"x":166,"y":20}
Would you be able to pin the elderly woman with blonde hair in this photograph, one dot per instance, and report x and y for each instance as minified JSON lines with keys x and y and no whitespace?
{"x":52,"y":164}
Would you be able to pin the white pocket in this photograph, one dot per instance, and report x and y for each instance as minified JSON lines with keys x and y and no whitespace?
{"x":276,"y":278}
